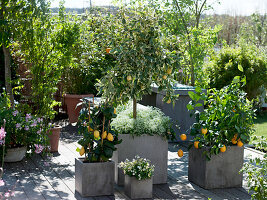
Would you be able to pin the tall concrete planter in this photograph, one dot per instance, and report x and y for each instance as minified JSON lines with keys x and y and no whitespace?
{"x":154,"y":148}
{"x":94,"y":179}
{"x":222,"y":171}
{"x":71,"y":100}
{"x":136,"y":189}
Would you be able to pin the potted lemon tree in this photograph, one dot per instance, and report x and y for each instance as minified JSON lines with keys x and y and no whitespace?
{"x":94,"y":173}
{"x":141,"y":61}
{"x":220,"y":131}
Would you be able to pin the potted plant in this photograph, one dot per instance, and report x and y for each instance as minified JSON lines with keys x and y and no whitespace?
{"x":94,"y":174}
{"x":138,"y":177}
{"x":146,"y":136}
{"x":24,"y":132}
{"x":54,"y":135}
{"x":219,"y":134}
{"x":141,"y":61}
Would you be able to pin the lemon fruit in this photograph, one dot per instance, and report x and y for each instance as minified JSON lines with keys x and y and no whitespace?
{"x":115,"y":111}
{"x":169,"y":71}
{"x":164,"y":77}
{"x":239,"y":143}
{"x":104,"y":135}
{"x":180,"y":153}
{"x":204,"y":131}
{"x":169,"y":101}
{"x":96,"y":134}
{"x":183,"y":137}
{"x":82,"y":151}
{"x":90,"y":129}
{"x":223,"y":149}
{"x":110,"y":137}
{"x":129,"y":78}
{"x":196,"y":144}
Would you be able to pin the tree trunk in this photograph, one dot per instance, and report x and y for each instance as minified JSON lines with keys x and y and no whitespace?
{"x":134,"y":108}
{"x":8,"y":74}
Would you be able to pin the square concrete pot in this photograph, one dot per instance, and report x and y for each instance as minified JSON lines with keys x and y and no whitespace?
{"x":222,"y":171}
{"x":154,"y":148}
{"x":136,"y":189}
{"x":94,"y":179}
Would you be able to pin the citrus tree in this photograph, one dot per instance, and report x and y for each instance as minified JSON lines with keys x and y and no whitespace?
{"x":141,"y":59}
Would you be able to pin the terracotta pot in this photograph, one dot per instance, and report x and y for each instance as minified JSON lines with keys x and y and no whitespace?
{"x":54,"y":135}
{"x":71,"y":101}
{"x":15,"y":154}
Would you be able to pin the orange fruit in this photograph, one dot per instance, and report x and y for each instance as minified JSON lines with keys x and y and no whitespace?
{"x":223,"y":149}
{"x":90,"y":129}
{"x":169,"y":71}
{"x":108,"y":50}
{"x":196,"y":144}
{"x":129,"y":78}
{"x":169,"y":101}
{"x":234,"y":140}
{"x":183,"y":137}
{"x":164,"y":77}
{"x":114,"y":110}
{"x":239,"y":143}
{"x":180,"y":153}
{"x":204,"y":131}
{"x":110,"y":137}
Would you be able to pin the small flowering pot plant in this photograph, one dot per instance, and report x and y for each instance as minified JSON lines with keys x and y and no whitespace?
{"x":20,"y":128}
{"x":99,"y":138}
{"x":140,"y":168}
{"x":227,"y":119}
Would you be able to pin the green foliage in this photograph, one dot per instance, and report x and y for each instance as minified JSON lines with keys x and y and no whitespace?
{"x":224,"y":66}
{"x":139,"y":168}
{"x":256,"y":170}
{"x":22,"y":129}
{"x":97,"y":119}
{"x":227,"y":115}
{"x":89,"y":60}
{"x":139,"y":56}
{"x":149,"y":121}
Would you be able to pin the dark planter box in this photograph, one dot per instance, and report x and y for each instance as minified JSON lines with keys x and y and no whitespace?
{"x":154,"y":148}
{"x":94,"y":179}
{"x":222,"y":171}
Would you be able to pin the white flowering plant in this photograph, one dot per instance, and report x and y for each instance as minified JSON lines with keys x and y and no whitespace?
{"x":20,"y":128}
{"x":140,"y":168}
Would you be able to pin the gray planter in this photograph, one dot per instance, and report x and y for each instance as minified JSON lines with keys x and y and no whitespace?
{"x":136,"y":189}
{"x":154,"y":148}
{"x":179,"y":113}
{"x":94,"y":179}
{"x":15,"y":154}
{"x":222,"y":171}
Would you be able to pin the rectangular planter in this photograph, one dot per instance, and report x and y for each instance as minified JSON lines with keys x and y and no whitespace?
{"x":94,"y":179}
{"x":136,"y":189}
{"x":154,"y":148}
{"x":222,"y":171}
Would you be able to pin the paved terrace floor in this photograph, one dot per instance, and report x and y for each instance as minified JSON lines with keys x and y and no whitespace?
{"x":54,"y":178}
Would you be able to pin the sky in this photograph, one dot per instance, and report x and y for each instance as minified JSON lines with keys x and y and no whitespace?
{"x":233,"y":7}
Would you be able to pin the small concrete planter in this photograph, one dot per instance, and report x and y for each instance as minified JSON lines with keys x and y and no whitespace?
{"x":136,"y":189}
{"x":222,"y":171}
{"x":154,"y":148}
{"x":94,"y":179}
{"x":15,"y":154}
